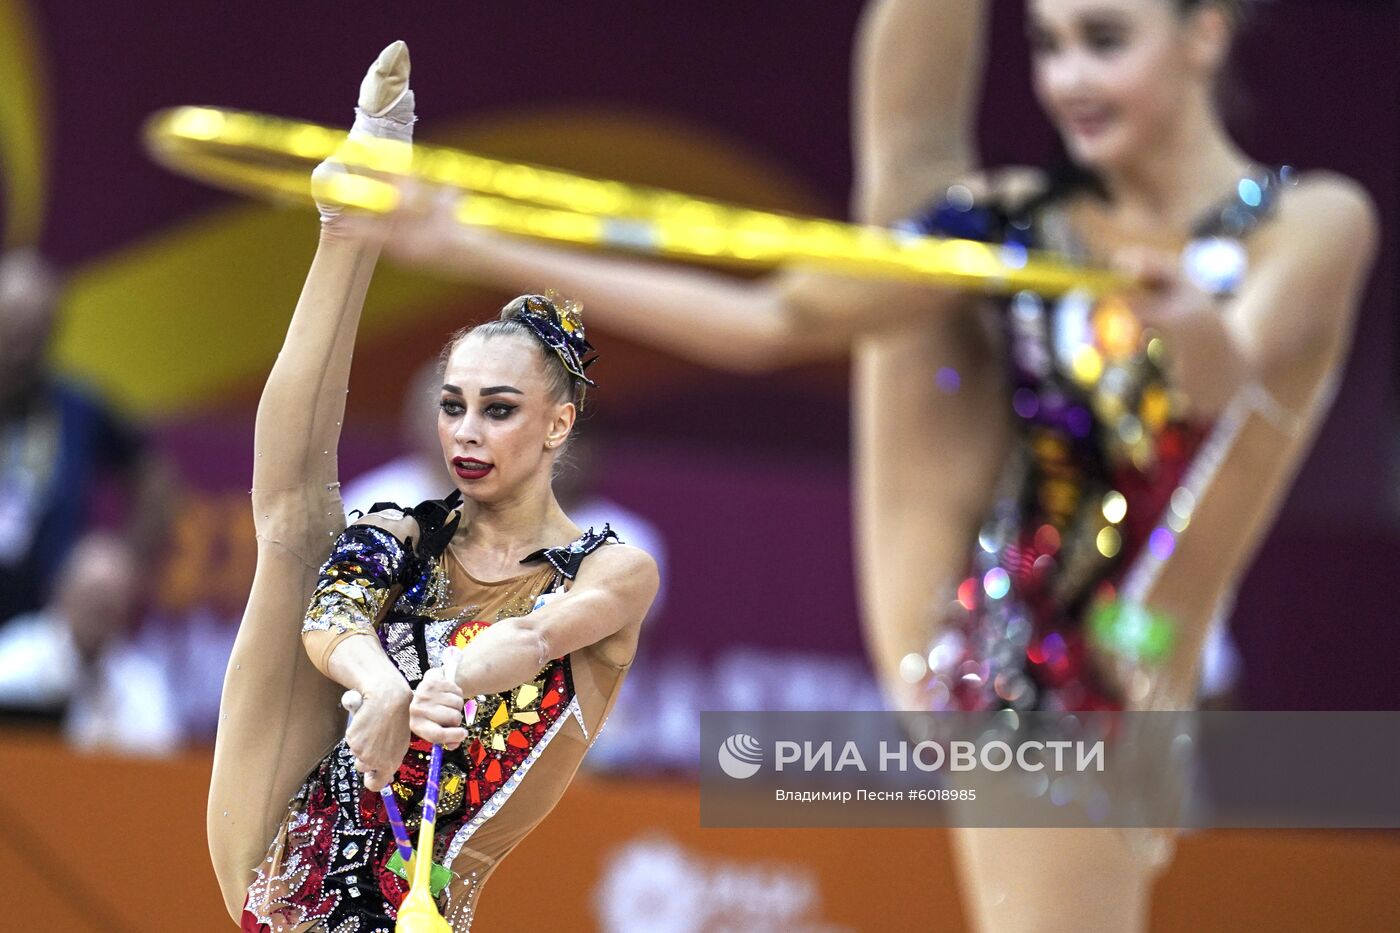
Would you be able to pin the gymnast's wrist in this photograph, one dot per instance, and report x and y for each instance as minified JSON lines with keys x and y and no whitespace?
{"x":469,"y":676}
{"x":360,"y":664}
{"x":388,"y":690}
{"x":461,"y":676}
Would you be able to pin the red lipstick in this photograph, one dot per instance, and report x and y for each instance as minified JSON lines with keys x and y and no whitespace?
{"x":470,"y":467}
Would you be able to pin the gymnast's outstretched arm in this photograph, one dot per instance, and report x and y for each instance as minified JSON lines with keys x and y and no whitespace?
{"x":278,"y":714}
{"x":916,"y":90}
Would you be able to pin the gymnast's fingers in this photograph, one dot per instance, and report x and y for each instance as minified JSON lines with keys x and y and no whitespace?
{"x":377,"y":780}
{"x":431,"y":730}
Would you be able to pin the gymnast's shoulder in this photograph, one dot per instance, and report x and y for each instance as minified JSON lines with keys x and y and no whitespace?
{"x":623,"y":569}
{"x":1323,"y":202}
{"x":1321,"y":240}
{"x":618,"y":561}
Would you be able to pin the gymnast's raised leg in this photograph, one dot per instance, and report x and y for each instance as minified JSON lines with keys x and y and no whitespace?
{"x":279,"y":715}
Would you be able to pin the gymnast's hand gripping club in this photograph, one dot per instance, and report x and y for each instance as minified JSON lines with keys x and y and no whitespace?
{"x":352,"y":701}
{"x":418,"y":913}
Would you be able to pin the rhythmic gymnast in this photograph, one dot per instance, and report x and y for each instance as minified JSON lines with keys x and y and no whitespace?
{"x":1038,"y":480}
{"x":545,"y":617}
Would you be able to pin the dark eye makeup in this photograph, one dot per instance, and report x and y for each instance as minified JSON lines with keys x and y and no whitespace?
{"x":1100,"y":32}
{"x":1104,"y":35}
{"x":497,"y":411}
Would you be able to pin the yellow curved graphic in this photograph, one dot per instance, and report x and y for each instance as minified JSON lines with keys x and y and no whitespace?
{"x":23,"y":125}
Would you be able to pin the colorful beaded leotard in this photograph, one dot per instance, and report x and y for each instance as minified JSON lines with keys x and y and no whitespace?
{"x":1105,"y":472}
{"x":329,"y":867}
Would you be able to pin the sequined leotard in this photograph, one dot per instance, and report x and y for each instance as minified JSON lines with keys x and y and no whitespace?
{"x":326,"y":870}
{"x":1105,"y":473}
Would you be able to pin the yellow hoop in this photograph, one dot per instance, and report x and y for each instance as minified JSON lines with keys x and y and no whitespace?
{"x":272,"y":157}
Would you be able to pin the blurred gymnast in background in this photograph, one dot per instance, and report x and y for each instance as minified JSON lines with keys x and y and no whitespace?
{"x":1056,"y":499}
{"x":491,"y":593}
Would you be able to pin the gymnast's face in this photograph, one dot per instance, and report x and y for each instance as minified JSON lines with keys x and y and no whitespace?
{"x":1119,"y":78}
{"x":499,"y":423}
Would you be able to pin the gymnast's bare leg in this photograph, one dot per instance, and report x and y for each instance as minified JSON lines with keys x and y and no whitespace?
{"x":279,"y":715}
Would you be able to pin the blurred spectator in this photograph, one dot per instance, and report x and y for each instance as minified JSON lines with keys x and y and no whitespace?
{"x":69,"y":588}
{"x":120,"y":698}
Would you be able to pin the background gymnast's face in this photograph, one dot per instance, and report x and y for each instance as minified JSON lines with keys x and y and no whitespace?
{"x":496,"y":416}
{"x":1119,"y":77}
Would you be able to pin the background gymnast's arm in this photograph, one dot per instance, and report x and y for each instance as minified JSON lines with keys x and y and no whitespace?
{"x":1290,"y":326}
{"x":917,"y":71}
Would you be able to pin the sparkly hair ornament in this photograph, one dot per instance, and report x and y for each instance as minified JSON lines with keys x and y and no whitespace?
{"x":558,"y":323}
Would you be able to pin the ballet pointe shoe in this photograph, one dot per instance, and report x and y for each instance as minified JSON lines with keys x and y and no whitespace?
{"x":384,"y":110}
{"x":386,"y":82}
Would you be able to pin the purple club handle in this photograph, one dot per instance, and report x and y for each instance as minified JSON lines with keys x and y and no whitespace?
{"x":391,"y":806}
{"x":430,"y":798}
